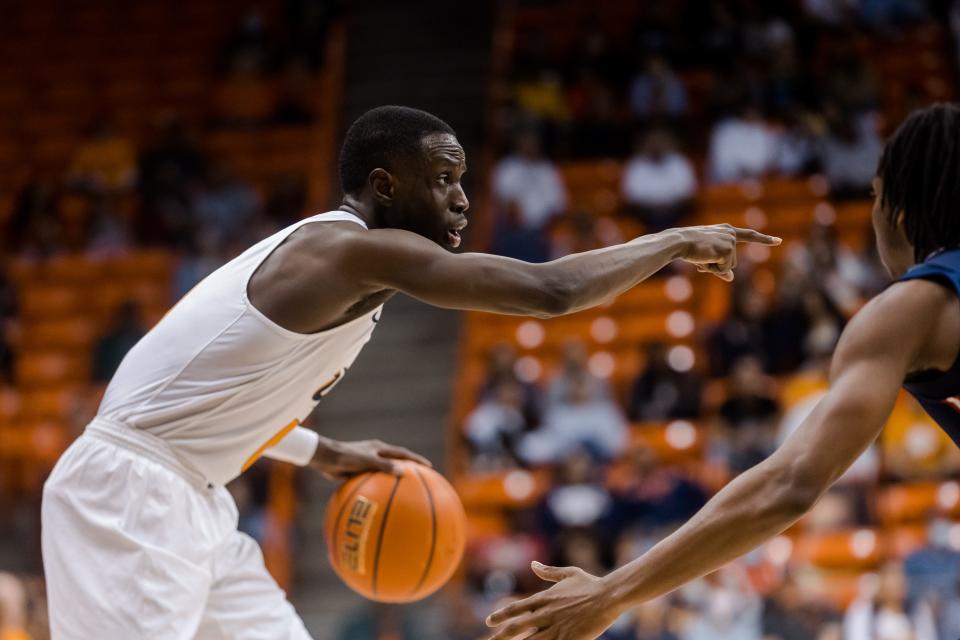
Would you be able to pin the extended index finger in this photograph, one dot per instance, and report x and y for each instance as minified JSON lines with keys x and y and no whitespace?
{"x":752,"y":235}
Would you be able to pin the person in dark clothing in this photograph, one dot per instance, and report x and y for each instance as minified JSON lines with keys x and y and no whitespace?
{"x":126,"y":331}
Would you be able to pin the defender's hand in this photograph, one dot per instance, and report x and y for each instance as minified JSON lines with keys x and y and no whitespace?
{"x":713,"y":248}
{"x":339,"y":460}
{"x":576,"y":608}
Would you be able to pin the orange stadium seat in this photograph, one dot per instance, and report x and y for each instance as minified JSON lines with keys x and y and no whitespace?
{"x":68,"y":334}
{"x":49,"y":404}
{"x":918,"y":501}
{"x":861,"y":549}
{"x":510,"y":489}
{"x":39,"y":369}
{"x":50,"y":301}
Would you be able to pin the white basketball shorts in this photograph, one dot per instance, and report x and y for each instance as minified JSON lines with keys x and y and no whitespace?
{"x":137,"y":545}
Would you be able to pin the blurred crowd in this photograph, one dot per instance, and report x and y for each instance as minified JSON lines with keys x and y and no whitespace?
{"x":119,"y":192}
{"x":701,"y":93}
{"x":693,"y":93}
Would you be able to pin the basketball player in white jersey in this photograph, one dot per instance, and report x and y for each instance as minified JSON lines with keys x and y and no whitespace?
{"x":139,"y":534}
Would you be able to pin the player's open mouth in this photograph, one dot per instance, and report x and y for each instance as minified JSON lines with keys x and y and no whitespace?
{"x":453,"y":237}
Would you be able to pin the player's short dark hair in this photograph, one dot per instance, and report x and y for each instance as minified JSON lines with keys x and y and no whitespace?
{"x":920,"y":173}
{"x":381,"y":137}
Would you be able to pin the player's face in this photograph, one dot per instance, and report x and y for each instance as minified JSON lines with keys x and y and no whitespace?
{"x":895,"y":250}
{"x":430,"y":200}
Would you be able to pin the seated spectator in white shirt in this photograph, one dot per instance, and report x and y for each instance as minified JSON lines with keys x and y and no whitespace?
{"x":742,"y":147}
{"x":531,"y":182}
{"x":580,"y":420}
{"x":494,"y":426}
{"x":657,"y":91}
{"x":659,"y":182}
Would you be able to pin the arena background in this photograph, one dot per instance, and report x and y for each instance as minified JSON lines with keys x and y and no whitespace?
{"x":142,"y":144}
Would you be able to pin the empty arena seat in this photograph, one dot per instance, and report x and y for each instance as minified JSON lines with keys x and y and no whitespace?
{"x":50,"y":301}
{"x":70,"y":334}
{"x":511,"y":489}
{"x":55,"y":404}
{"x":38,"y":369}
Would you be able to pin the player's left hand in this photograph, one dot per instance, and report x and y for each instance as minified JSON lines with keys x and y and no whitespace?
{"x":576,"y":608}
{"x":338,"y":460}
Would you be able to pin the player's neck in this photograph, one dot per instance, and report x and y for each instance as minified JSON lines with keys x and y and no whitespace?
{"x":360,"y":209}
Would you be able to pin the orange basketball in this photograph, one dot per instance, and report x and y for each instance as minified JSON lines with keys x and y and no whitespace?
{"x":396,"y":539}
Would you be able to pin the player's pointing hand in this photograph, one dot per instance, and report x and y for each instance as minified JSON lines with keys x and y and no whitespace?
{"x":338,"y":460}
{"x":578,"y":607}
{"x":713,"y":248}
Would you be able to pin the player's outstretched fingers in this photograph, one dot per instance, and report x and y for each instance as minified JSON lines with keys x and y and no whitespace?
{"x":752,"y":235}
{"x":516,"y":629}
{"x":726,"y":276}
{"x":402,"y":453}
{"x":513,"y":610}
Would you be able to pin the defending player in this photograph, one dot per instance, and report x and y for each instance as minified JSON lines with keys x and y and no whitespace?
{"x":139,"y":535}
{"x":907,"y":336}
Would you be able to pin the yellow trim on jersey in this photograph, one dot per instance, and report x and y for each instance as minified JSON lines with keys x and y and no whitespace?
{"x":280,"y":435}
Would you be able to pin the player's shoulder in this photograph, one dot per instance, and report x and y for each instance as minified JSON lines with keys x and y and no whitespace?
{"x":904,"y":317}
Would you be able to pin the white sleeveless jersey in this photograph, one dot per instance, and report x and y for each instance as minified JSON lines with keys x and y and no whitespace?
{"x":220,"y":382}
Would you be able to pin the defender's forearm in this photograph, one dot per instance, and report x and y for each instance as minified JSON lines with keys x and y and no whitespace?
{"x":753,"y":508}
{"x":592,"y":277}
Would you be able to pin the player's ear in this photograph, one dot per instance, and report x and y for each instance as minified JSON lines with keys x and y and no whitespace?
{"x":383,"y":186}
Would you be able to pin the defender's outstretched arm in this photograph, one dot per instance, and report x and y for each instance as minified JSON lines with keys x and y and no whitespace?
{"x":878,"y":349}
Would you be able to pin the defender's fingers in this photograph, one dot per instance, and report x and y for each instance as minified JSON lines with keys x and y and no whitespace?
{"x":512,"y":610}
{"x":518,"y":629}
{"x":751,"y":235}
{"x":402,"y":453}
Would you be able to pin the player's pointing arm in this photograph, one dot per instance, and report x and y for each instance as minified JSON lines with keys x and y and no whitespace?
{"x":881,"y":345}
{"x":395,"y":259}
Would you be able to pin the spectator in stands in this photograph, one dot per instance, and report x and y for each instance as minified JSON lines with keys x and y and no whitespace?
{"x":125,"y":331}
{"x":580,"y":418}
{"x":13,"y":608}
{"x":495,"y":426}
{"x":721,"y":605}
{"x":838,"y":272}
{"x":501,"y":367}
{"x":511,"y":238}
{"x":742,"y":147}
{"x":798,"y":143}
{"x":748,"y":414}
{"x":597,"y":130}
{"x":36,"y":200}
{"x":173,"y":164}
{"x":851,"y":82}
{"x":294,"y":101}
{"x":657,"y":92}
{"x":743,"y":332}
{"x":651,"y":495}
{"x":934,"y":569}
{"x":530,"y":182}
{"x":653,"y":620}
{"x":788,"y":614}
{"x":886,"y":614}
{"x":287,"y":199}
{"x":224,"y":205}
{"x":105,"y":162}
{"x":661,"y":393}
{"x":203,"y":254}
{"x":577,"y":502}
{"x":659,"y":182}
{"x":249,"y":47}
{"x":574,"y":369}
{"x":583,"y":231}
{"x":849,"y":153}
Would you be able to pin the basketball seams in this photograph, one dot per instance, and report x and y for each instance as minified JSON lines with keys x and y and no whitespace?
{"x":433,"y":532}
{"x":383,"y":528}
